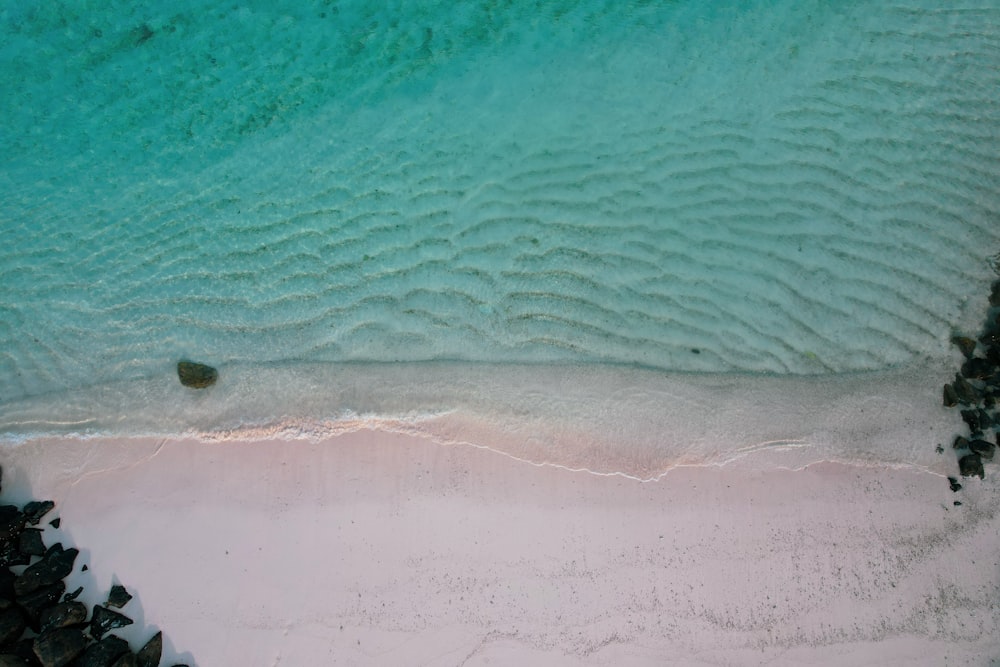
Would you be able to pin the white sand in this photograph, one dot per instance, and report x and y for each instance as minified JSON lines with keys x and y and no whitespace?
{"x":383,"y":549}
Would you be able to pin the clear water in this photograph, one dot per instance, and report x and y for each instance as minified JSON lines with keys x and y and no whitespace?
{"x":783,"y":187}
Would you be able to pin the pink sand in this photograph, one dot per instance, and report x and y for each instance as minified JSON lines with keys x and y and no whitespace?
{"x":371,"y":548}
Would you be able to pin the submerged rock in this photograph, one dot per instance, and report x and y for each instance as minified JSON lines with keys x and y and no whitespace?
{"x":196,"y":375}
{"x":965,"y":344}
{"x":971,"y":465}
{"x":964,"y":390}
{"x":982,"y":447}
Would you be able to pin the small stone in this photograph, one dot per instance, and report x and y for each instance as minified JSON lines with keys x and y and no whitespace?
{"x":149,"y":655}
{"x":11,"y":625}
{"x":69,"y":597}
{"x":196,"y":375}
{"x":982,"y":447}
{"x":965,"y":344}
{"x":55,"y":522}
{"x":56,"y":565}
{"x":59,"y":647}
{"x":950,"y":397}
{"x":971,"y":465}
{"x":62,"y":615}
{"x":84,"y":568}
{"x":103,"y":653}
{"x":104,"y":620}
{"x":118,"y":597}
{"x":960,"y":443}
{"x":955,"y":486}
{"x":30,"y":542}
{"x":978,"y":369}
{"x":36,"y":509}
{"x":957,"y":503}
{"x":964,"y":390}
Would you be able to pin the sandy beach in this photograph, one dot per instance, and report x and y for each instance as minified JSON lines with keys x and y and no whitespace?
{"x":374,"y":548}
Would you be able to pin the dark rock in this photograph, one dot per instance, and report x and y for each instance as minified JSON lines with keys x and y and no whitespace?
{"x":982,"y":447}
{"x":990,"y":338}
{"x":104,"y":619}
{"x":118,"y":597}
{"x":55,"y":522}
{"x":84,"y":568}
{"x":964,"y":390}
{"x":36,"y":602}
{"x":950,"y":397}
{"x":971,"y":417}
{"x":59,"y":647}
{"x":7,"y":583}
{"x":56,"y":565}
{"x":62,"y":615}
{"x":11,"y":660}
{"x":69,"y":597}
{"x":971,"y":465}
{"x":995,"y":293}
{"x":955,"y":486}
{"x":957,"y":503}
{"x":960,"y":443}
{"x":149,"y":655}
{"x":127,"y":660}
{"x":103,"y":653}
{"x":30,"y":543}
{"x":24,"y":650}
{"x":965,"y":344}
{"x":196,"y":375}
{"x":12,"y":522}
{"x":977,"y":369}
{"x":10,"y":555}
{"x":12,"y":624}
{"x":36,"y":509}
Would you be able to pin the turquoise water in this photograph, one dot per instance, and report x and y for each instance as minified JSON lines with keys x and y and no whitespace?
{"x":789,"y":188}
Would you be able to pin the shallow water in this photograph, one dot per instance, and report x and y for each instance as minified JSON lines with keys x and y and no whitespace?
{"x":788,"y":189}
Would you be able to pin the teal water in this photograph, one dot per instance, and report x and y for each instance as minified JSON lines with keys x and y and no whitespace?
{"x":785,"y":188}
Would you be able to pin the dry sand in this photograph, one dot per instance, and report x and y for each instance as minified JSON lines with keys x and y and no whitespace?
{"x":374,"y":548}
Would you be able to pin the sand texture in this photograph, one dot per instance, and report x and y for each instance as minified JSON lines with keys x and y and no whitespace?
{"x":373,"y":548}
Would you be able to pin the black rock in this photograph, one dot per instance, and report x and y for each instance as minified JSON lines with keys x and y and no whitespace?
{"x":127,"y":660}
{"x":960,"y":443}
{"x":69,"y":597}
{"x":36,"y":602}
{"x":965,"y":344}
{"x":971,"y":465}
{"x":62,"y":615}
{"x":59,"y":647}
{"x":12,"y":624}
{"x":104,"y":619}
{"x":982,"y":447}
{"x":196,"y":375}
{"x":964,"y":390}
{"x":12,"y":522}
{"x":11,"y":660}
{"x":978,"y":369}
{"x":56,"y":565}
{"x":10,"y":555}
{"x":995,"y":293}
{"x":30,"y":543}
{"x":950,"y":398}
{"x":23,"y":650}
{"x":36,"y":509}
{"x":55,"y":522}
{"x":103,"y":653}
{"x":118,"y":597}
{"x":990,"y":338}
{"x":971,"y":417}
{"x":957,"y":503}
{"x":149,"y":655}
{"x":7,"y":583}
{"x":955,"y":486}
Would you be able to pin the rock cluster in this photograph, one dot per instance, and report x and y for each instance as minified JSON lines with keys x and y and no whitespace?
{"x":976,"y":390}
{"x":42,"y":625}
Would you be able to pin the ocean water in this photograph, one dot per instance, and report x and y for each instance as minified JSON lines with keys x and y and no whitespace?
{"x":323,"y":197}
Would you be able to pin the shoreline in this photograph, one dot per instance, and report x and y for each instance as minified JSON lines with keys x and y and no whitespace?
{"x":377,"y":548}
